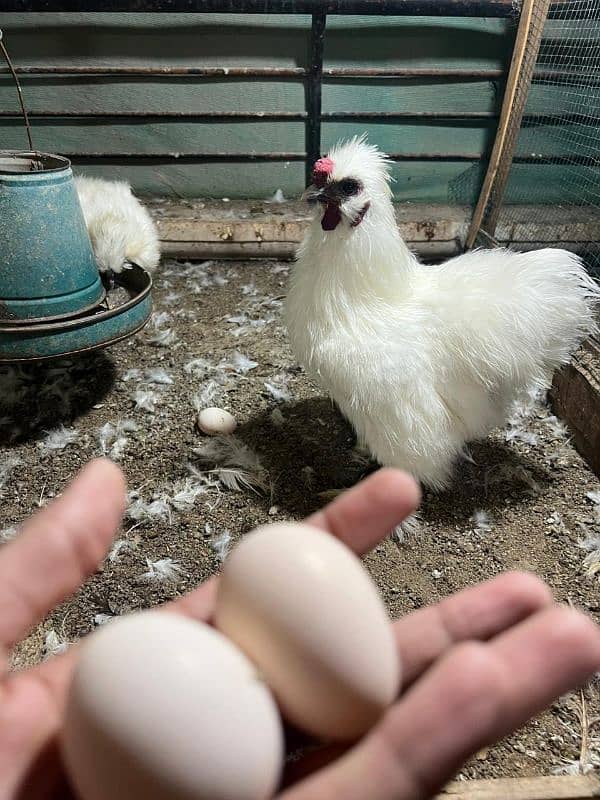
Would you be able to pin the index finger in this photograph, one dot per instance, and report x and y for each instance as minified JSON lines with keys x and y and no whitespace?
{"x":360,"y":518}
{"x":365,"y":514}
{"x":58,"y":548}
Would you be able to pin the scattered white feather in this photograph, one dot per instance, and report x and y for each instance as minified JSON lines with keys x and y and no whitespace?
{"x":576,"y":767}
{"x":165,"y":569}
{"x":118,"y":547}
{"x":556,"y":523}
{"x":591,"y":545}
{"x":132,"y":375}
{"x":59,"y":438}
{"x":146,"y":400}
{"x":198,"y":367}
{"x":160,"y":318}
{"x":238,"y":480}
{"x":221,"y":545}
{"x":482,"y":522}
{"x":278,"y":389}
{"x":561,"y":457}
{"x":594,"y":497}
{"x":245,"y":324}
{"x":157,"y":509}
{"x":207,"y":395}
{"x":113,"y":439}
{"x":185,"y":494}
{"x":556,"y":428}
{"x":278,"y":197}
{"x":518,"y":434}
{"x":235,"y":465}
{"x":249,"y":290}
{"x":9,"y":533}
{"x":54,"y":645}
{"x":163,"y":338}
{"x":408,"y":528}
{"x":8,"y":463}
{"x":158,"y":376}
{"x":102,"y":619}
{"x":241,"y":363}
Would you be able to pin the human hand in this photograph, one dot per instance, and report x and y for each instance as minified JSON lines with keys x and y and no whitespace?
{"x":475,"y":667}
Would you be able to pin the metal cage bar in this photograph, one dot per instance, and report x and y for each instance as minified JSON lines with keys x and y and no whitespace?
{"x":446,"y":8}
{"x":312,"y":76}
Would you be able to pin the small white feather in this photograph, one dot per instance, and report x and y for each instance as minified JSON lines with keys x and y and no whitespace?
{"x":165,"y":569}
{"x":221,"y":545}
{"x":59,"y":438}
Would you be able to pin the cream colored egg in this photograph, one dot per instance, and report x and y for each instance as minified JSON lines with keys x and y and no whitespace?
{"x":303,"y":608}
{"x":216,"y":420}
{"x":164,"y":708}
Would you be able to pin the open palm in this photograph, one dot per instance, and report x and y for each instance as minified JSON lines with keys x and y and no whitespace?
{"x":476,"y":666}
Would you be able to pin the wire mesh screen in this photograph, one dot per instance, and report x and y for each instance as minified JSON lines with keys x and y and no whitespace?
{"x":551,"y":191}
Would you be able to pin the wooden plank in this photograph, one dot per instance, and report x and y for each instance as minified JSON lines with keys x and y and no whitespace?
{"x":519,"y":79}
{"x":208,"y":229}
{"x":576,"y":399}
{"x":563,"y":787}
{"x":254,"y":229}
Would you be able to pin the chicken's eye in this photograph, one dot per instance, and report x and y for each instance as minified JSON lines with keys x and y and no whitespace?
{"x":349,"y":186}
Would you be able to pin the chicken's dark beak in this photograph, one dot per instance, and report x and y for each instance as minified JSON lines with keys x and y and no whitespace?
{"x":312,"y":194}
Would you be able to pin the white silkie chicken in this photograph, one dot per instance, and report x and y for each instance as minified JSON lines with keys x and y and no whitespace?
{"x":422,"y":359}
{"x":120,"y":228}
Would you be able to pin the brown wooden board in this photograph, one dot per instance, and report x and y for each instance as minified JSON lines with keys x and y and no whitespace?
{"x":563,"y":787}
{"x":576,"y":399}
{"x":204,"y":228}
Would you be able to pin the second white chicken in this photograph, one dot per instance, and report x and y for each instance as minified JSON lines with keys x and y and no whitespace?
{"x":120,"y":228}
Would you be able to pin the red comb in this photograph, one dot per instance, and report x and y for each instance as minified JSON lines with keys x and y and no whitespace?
{"x":322,"y":168}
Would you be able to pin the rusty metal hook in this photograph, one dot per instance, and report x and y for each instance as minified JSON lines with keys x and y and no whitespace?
{"x":19,"y":91}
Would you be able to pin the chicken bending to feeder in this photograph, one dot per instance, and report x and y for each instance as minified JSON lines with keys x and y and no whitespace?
{"x":75,"y":256}
{"x":423,"y":359}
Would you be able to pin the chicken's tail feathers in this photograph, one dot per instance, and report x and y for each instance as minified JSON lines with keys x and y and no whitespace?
{"x":567,"y":302}
{"x":569,"y":273}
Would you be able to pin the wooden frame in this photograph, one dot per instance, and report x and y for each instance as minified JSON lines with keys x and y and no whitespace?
{"x":527,"y":43}
{"x":576,"y":399}
{"x":563,"y":787}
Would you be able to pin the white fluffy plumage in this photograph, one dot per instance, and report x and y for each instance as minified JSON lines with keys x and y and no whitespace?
{"x":423,"y":359}
{"x":120,"y":228}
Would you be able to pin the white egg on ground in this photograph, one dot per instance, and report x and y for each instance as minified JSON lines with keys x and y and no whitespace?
{"x":216,"y":420}
{"x":301,"y":605}
{"x":165,"y":708}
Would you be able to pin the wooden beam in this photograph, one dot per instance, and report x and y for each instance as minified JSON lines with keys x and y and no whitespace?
{"x":199,"y":229}
{"x":563,"y":787}
{"x":527,"y":43}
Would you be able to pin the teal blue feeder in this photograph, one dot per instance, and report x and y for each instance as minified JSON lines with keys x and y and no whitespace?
{"x":53,"y":300}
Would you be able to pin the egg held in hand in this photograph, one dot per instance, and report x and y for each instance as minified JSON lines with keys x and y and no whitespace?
{"x":165,"y":708}
{"x":302,"y":607}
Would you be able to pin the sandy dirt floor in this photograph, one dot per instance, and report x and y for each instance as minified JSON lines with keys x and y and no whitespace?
{"x":527,"y":501}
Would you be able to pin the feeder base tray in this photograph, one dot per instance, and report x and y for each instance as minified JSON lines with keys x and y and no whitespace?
{"x":124,"y":312}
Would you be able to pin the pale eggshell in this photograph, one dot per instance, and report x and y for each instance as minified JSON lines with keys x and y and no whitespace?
{"x":216,"y":420}
{"x":164,"y":708}
{"x":301,"y":605}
